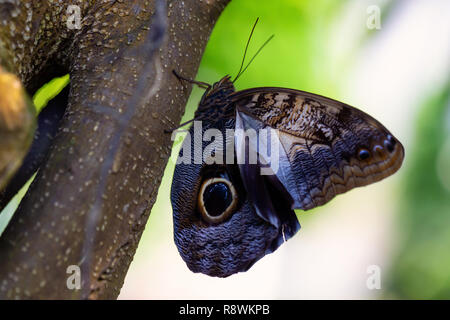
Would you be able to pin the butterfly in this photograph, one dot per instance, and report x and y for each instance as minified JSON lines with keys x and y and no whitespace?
{"x":227,"y":214}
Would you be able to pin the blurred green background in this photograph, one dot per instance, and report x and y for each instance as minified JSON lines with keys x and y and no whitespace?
{"x":398,"y":73}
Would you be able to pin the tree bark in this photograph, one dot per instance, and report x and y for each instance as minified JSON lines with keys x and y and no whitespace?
{"x":92,"y":197}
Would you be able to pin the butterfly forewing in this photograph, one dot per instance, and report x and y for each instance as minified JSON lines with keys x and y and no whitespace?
{"x":328,"y":147}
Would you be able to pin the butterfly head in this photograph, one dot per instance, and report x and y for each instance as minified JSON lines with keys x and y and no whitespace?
{"x":215,"y":102}
{"x":220,"y":90}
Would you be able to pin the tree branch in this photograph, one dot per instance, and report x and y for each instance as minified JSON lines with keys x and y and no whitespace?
{"x":76,"y":211}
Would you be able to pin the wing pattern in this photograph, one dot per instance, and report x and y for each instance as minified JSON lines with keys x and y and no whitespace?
{"x":328,"y":147}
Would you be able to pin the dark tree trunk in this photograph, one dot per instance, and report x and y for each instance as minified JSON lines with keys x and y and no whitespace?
{"x":92,"y":196}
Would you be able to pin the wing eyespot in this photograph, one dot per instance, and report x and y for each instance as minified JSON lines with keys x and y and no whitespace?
{"x":217,"y":200}
{"x":363,"y":154}
{"x":390,"y":143}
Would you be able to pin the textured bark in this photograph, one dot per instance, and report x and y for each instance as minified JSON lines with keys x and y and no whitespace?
{"x":92,"y":196}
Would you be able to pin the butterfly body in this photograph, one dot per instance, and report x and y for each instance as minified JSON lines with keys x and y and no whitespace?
{"x":325,"y":148}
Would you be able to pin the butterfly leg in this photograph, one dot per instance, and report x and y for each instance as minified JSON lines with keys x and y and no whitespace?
{"x":202,"y":85}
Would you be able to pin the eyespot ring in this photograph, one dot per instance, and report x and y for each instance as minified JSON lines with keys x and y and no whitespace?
{"x":202,"y":206}
{"x":363,"y":154}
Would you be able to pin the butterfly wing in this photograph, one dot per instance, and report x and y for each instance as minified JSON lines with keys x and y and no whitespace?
{"x":267,"y":194}
{"x":325,"y":147}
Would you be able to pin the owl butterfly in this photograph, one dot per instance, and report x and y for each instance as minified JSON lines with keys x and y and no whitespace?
{"x":229,"y":215}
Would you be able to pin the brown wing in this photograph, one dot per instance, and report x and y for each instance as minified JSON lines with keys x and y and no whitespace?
{"x":328,"y":147}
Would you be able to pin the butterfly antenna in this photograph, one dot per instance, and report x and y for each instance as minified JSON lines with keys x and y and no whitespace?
{"x":257,"y":52}
{"x":246,"y":48}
